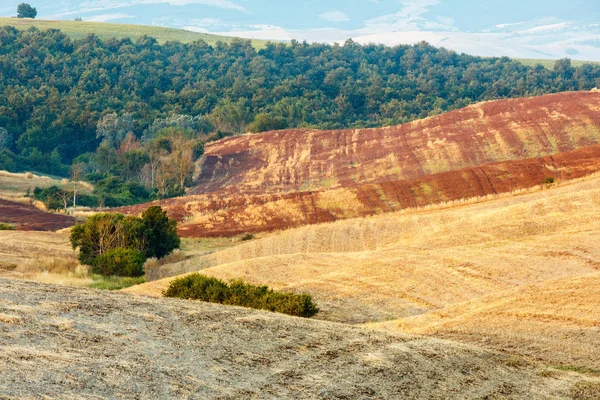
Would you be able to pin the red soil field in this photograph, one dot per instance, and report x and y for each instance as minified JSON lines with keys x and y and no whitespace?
{"x":284,"y":179}
{"x":28,"y":218}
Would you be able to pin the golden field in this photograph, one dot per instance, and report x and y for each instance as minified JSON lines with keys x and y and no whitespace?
{"x":518,"y":274}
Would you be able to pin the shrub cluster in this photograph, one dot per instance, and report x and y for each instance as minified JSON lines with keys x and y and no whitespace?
{"x":6,"y":227}
{"x":113,"y":244}
{"x":239,"y":293}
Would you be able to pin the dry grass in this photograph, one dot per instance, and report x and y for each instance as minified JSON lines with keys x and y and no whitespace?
{"x":80,"y":30}
{"x":417,"y":263}
{"x":14,"y":186}
{"x":60,"y":342}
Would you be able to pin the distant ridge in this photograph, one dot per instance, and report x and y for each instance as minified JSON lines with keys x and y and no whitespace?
{"x":104,"y":30}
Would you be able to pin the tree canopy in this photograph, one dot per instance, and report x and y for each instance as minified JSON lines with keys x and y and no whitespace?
{"x":24,"y":10}
{"x":114,"y":244}
{"x":125,"y":110}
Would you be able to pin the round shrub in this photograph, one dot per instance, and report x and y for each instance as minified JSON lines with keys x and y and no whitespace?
{"x":120,"y":262}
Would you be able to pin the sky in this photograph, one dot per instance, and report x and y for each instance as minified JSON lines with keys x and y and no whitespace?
{"x":516,"y":28}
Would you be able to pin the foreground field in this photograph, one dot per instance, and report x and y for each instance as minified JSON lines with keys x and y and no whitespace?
{"x":403,"y":265}
{"x":79,"y":343}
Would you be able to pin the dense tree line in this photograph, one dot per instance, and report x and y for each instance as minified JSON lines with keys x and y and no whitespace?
{"x":142,"y":111}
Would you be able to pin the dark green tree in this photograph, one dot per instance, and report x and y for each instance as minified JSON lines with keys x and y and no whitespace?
{"x":265,"y":122}
{"x":161,"y":232}
{"x":105,"y":231}
{"x":24,"y":10}
{"x":120,"y":262}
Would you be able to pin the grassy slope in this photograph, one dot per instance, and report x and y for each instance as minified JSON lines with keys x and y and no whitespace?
{"x":80,"y":29}
{"x":531,"y":62}
{"x":396,"y":266}
{"x":65,"y":342}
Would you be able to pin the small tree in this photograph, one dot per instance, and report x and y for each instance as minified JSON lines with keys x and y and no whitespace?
{"x":24,"y":10}
{"x":77,"y":170}
{"x":161,"y":232}
{"x":112,"y":243}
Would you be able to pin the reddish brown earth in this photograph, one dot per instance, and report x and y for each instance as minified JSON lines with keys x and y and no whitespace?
{"x":284,"y":179}
{"x":28,"y":218}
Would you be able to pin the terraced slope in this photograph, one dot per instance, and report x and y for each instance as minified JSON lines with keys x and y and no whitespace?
{"x":413,"y":265}
{"x":62,"y":342}
{"x":285,"y":179}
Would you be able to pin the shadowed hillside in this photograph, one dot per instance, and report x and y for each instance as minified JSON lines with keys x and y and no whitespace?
{"x":28,"y":218}
{"x":283,"y":179}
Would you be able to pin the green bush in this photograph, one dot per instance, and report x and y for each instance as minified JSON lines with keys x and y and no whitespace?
{"x":240,"y":293}
{"x":548,"y":180}
{"x":7,"y":227}
{"x":120,"y":262}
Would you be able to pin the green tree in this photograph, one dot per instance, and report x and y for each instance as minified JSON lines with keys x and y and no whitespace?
{"x":161,"y":232}
{"x":120,"y":262}
{"x":265,"y":122}
{"x":24,"y":10}
{"x":5,"y":139}
{"x":106,"y":231}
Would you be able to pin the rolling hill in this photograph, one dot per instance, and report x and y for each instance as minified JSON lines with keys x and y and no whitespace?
{"x":282,"y":179}
{"x":439,"y":271}
{"x":104,"y":30}
{"x":67,"y":342}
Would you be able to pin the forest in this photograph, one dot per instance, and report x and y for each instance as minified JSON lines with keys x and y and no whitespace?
{"x":132,"y":117}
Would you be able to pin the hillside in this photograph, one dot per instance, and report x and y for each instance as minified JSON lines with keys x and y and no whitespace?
{"x":79,"y":343}
{"x":104,"y":30}
{"x":65,"y":98}
{"x":539,"y":320}
{"x":283,"y":179}
{"x":418,"y":263}
{"x":28,"y":218}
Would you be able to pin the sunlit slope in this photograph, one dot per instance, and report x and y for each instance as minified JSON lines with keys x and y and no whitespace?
{"x":398,"y":265}
{"x":556,"y":320}
{"x":495,"y":131}
{"x":104,"y":30}
{"x":285,"y":179}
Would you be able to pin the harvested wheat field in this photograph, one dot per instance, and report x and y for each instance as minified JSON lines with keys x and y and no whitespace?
{"x":555,"y":321}
{"x":75,"y":343}
{"x":411,"y":264}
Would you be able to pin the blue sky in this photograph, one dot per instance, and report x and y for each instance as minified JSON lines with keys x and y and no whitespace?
{"x":516,"y":28}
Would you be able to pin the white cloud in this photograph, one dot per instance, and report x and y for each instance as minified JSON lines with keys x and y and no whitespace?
{"x":502,"y":26}
{"x":409,"y":18}
{"x":547,"y":28}
{"x":108,"y":17}
{"x":334,"y":16}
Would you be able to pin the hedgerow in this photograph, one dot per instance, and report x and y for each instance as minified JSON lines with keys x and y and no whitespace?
{"x":240,"y":293}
